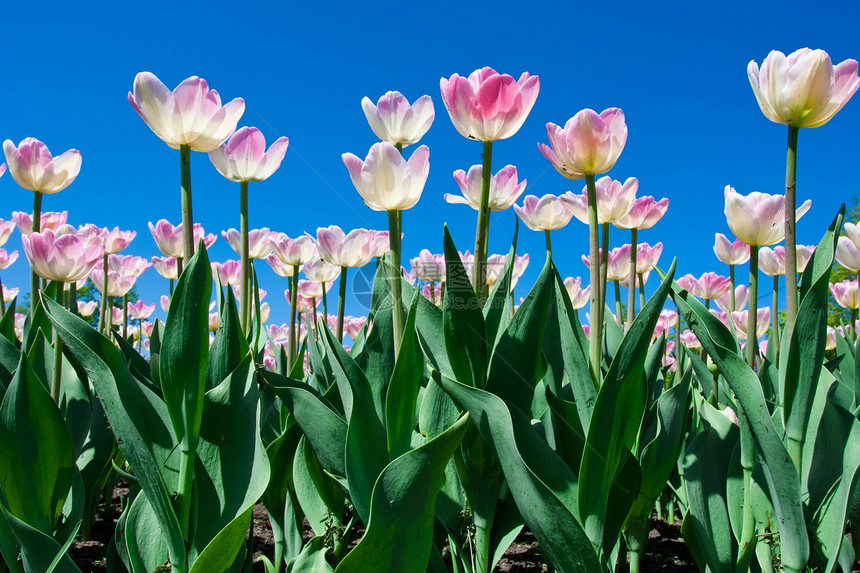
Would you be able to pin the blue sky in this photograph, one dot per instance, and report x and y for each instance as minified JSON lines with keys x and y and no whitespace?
{"x":677,"y":69}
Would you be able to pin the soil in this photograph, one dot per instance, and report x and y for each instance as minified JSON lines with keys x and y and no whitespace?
{"x":666,"y":549}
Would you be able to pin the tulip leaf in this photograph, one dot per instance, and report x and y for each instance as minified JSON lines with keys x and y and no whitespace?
{"x":782,"y":479}
{"x":145,"y":551}
{"x":617,"y":416}
{"x":318,"y":495}
{"x":184,"y":349}
{"x":402,"y":395}
{"x":312,"y":559}
{"x":221,"y":552}
{"x":36,"y":452}
{"x":399,"y":532}
{"x":7,"y":324}
{"x":230,"y":345}
{"x":40,"y":552}
{"x":543,"y":487}
{"x":431,"y":334}
{"x":498,"y":303}
{"x":463,"y":322}
{"x":9,"y":354}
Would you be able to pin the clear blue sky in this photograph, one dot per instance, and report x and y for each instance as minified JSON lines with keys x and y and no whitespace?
{"x":677,"y":69}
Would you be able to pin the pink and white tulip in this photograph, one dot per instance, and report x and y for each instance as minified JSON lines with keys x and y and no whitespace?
{"x":6,"y":259}
{"x":579,"y":296}
{"x":724,"y":303}
{"x":48,"y":221}
{"x":169,"y":238}
{"x":386,"y":180}
{"x":33,"y":167}
{"x":6,"y":228}
{"x":845,"y":294}
{"x":228,"y":272}
{"x":63,"y":258}
{"x":547,"y":213}
{"x":244,"y":157}
{"x":166,"y":267}
{"x":614,"y":200}
{"x":589,"y":143}
{"x":505,"y":189}
{"x":140,"y":310}
{"x":395,"y":121}
{"x":617,"y":262}
{"x":647,"y":256}
{"x":87,"y":308}
{"x":731,"y":253}
{"x":644,"y":213}
{"x":117,"y":240}
{"x":429,"y":267}
{"x":259,"y":246}
{"x":847,"y":253}
{"x":758,"y":218}
{"x":353,"y":249}
{"x":740,"y":320}
{"x":296,"y":251}
{"x":320,"y":271}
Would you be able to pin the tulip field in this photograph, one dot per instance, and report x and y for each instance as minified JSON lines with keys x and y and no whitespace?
{"x":454,"y":418}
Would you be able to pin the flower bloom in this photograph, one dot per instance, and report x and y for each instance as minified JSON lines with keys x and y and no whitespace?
{"x":32,"y":166}
{"x":258,"y":242}
{"x":741,"y":299}
{"x":845,"y":294}
{"x":740,"y":318}
{"x":504,"y":188}
{"x":546,"y":213}
{"x":496,"y":264}
{"x":803,"y":89}
{"x":62,"y":258}
{"x":758,"y":218}
{"x":772,"y":261}
{"x":320,"y":271}
{"x":169,"y":238}
{"x":617,"y":262}
{"x":410,"y":276}
{"x":689,"y":339}
{"x":386,"y":180}
{"x":294,"y":252}
{"x":614,"y":200}
{"x":392,"y":119}
{"x":429,"y":267}
{"x":644,"y":213}
{"x":117,"y":240}
{"x":382,"y":243}
{"x":847,"y":253}
{"x":244,"y":156}
{"x":353,"y":249}
{"x":434,"y":295}
{"x":647,"y":256}
{"x":228,"y":272}
{"x":489,"y":106}
{"x":665,"y":322}
{"x":140,"y":310}
{"x":711,"y":286}
{"x":6,"y":259}
{"x":9,"y":294}
{"x":311,"y":289}
{"x":87,"y":308}
{"x":48,"y":220}
{"x":166,"y":267}
{"x":589,"y":143}
{"x":353,"y":325}
{"x":731,"y":253}
{"x":831,"y":339}
{"x":281,"y":269}
{"x":190,"y":115}
{"x":128,"y":264}
{"x":6,"y":228}
{"x":165,"y":302}
{"x":579,"y":296}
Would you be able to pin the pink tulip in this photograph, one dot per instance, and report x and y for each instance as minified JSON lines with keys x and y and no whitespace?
{"x":281,"y":269}
{"x":303,"y":304}
{"x":614,"y":200}
{"x":6,"y":259}
{"x":117,"y":284}
{"x":353,"y":325}
{"x":589,"y":143}
{"x":146,"y":328}
{"x":276,"y":332}
{"x":618,"y":262}
{"x":740,"y":320}
{"x":741,"y":299}
{"x":9,"y":294}
{"x":625,"y":282}
{"x":6,"y":228}
{"x":214,"y":321}
{"x":392,"y":119}
{"x":772,"y":261}
{"x":191,"y":115}
{"x":32,"y":166}
{"x":687,"y":282}
{"x":127,"y":264}
{"x":731,"y":253}
{"x":579,"y":296}
{"x":547,"y":213}
{"x":228,"y":272}
{"x":722,"y":316}
{"x":711,"y":286}
{"x":847,"y":253}
{"x":804,"y":254}
{"x":259,"y":246}
{"x":140,"y":310}
{"x":689,"y":339}
{"x":237,"y":290}
{"x":244,"y":156}
{"x":117,"y":317}
{"x":488,"y":106}
{"x":117,"y":240}
{"x":429,"y":267}
{"x":496,"y":264}
{"x":381,"y":243}
{"x":62,"y":258}
{"x":48,"y":221}
{"x":353,"y":249}
{"x":166,"y":267}
{"x":169,"y":238}
{"x":311,"y":289}
{"x":320,"y":271}
{"x":831,"y":339}
{"x":87,"y":308}
{"x":505,"y":189}
{"x":435,"y":296}
{"x":296,"y":251}
{"x":852,"y":231}
{"x":667,"y":320}
{"x":758,"y":218}
{"x":644,"y":214}
{"x":410,"y":276}
{"x":647,"y":256}
{"x":165,"y":302}
{"x":803,"y":89}
{"x":845,"y":294}
{"x":385,"y":179}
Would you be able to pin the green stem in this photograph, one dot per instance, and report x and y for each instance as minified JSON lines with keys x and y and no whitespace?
{"x":170,"y":291}
{"x":245,"y":261}
{"x":483,"y":230}
{"x":618,"y":309}
{"x":2,"y":301}
{"x":752,"y":342}
{"x":341,"y":298}
{"x":324,"y":304}
{"x":641,"y":278}
{"x":853,"y":328}
{"x":636,"y":537}
{"x":185,"y":190}
{"x":774,"y":320}
{"x":37,"y":221}
{"x":548,"y":242}
{"x":103,"y":319}
{"x":312,"y":328}
{"x":595,"y":327}
{"x":631,"y":291}
{"x":790,"y":233}
{"x":183,"y":492}
{"x":73,"y":298}
{"x":125,"y":316}
{"x":604,"y":267}
{"x":294,"y":288}
{"x":57,"y":374}
{"x":732,"y":307}
{"x":397,"y":305}
{"x":746,"y":544}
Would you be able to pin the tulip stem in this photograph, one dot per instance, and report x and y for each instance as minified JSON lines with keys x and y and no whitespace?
{"x":853,"y":327}
{"x":341,"y":297}
{"x":37,"y":221}
{"x":483,"y":230}
{"x":641,"y":279}
{"x":245,"y":301}
{"x":397,"y":305}
{"x":774,"y":320}
{"x":73,"y":297}
{"x":595,"y":327}
{"x":548,"y":242}
{"x":324,"y":304}
{"x":294,"y":295}
{"x":2,"y":301}
{"x":103,"y":301}
{"x":57,"y":374}
{"x":187,"y":218}
{"x":746,"y":544}
{"x":790,"y":232}
{"x":618,"y":309}
{"x":183,"y":492}
{"x":604,"y":267}
{"x":732,"y":291}
{"x":753,"y":307}
{"x":631,"y":291}
{"x":170,"y":290}
{"x":125,"y":316}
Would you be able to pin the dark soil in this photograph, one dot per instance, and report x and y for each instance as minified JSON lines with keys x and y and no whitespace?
{"x":666,"y":549}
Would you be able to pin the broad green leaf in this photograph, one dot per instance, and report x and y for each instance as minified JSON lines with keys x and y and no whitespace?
{"x":40,"y":553}
{"x":184,"y":349}
{"x":220,"y":553}
{"x":318,"y":495}
{"x":400,"y":530}
{"x":312,"y":558}
{"x":7,"y":324}
{"x":403,"y":388}
{"x":37,"y":455}
{"x":431,"y":334}
{"x":499,"y":301}
{"x":230,"y":345}
{"x":145,"y":551}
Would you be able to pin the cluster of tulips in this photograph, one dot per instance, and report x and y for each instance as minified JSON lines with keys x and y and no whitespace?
{"x":456,"y":416}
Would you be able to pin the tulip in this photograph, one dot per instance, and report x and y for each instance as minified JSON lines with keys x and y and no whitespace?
{"x":385,"y":180}
{"x":845,"y":295}
{"x":578,"y":296}
{"x":488,"y":106}
{"x":429,"y":267}
{"x":689,"y":339}
{"x":505,"y":189}
{"x":353,"y":249}
{"x":320,"y":271}
{"x":614,"y":200}
{"x":169,"y":239}
{"x":741,"y":322}
{"x":395,"y":121}
{"x":432,"y":292}
{"x":228,"y":272}
{"x":755,"y":218}
{"x":165,"y":302}
{"x":354,"y":324}
{"x":87,"y":308}
{"x":711,"y":286}
{"x":6,"y":259}
{"x":737,"y":298}
{"x":258,"y":242}
{"x":6,"y":228}
{"x":9,"y":294}
{"x":831,"y":339}
{"x":117,"y":240}
{"x":166,"y":267}
{"x":731,"y":253}
{"x":278,"y":333}
{"x":848,"y":254}
{"x":140,"y":310}
{"x":772,"y":261}
{"x":409,"y":276}
{"x":281,"y":269}
{"x":63,"y":259}
{"x":382,"y":243}
{"x":547,"y":213}
{"x":50,"y":221}
{"x":295,"y":252}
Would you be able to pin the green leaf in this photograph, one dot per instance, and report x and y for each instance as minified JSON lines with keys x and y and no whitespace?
{"x":499,"y":300}
{"x":543,"y":487}
{"x":318,"y":495}
{"x":220,"y":553}
{"x":230,"y":346}
{"x":403,"y":388}
{"x":7,"y":324}
{"x":184,"y":350}
{"x":400,"y":530}
{"x":40,"y":553}
{"x":312,"y":559}
{"x":36,"y":452}
{"x":463,"y":322}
